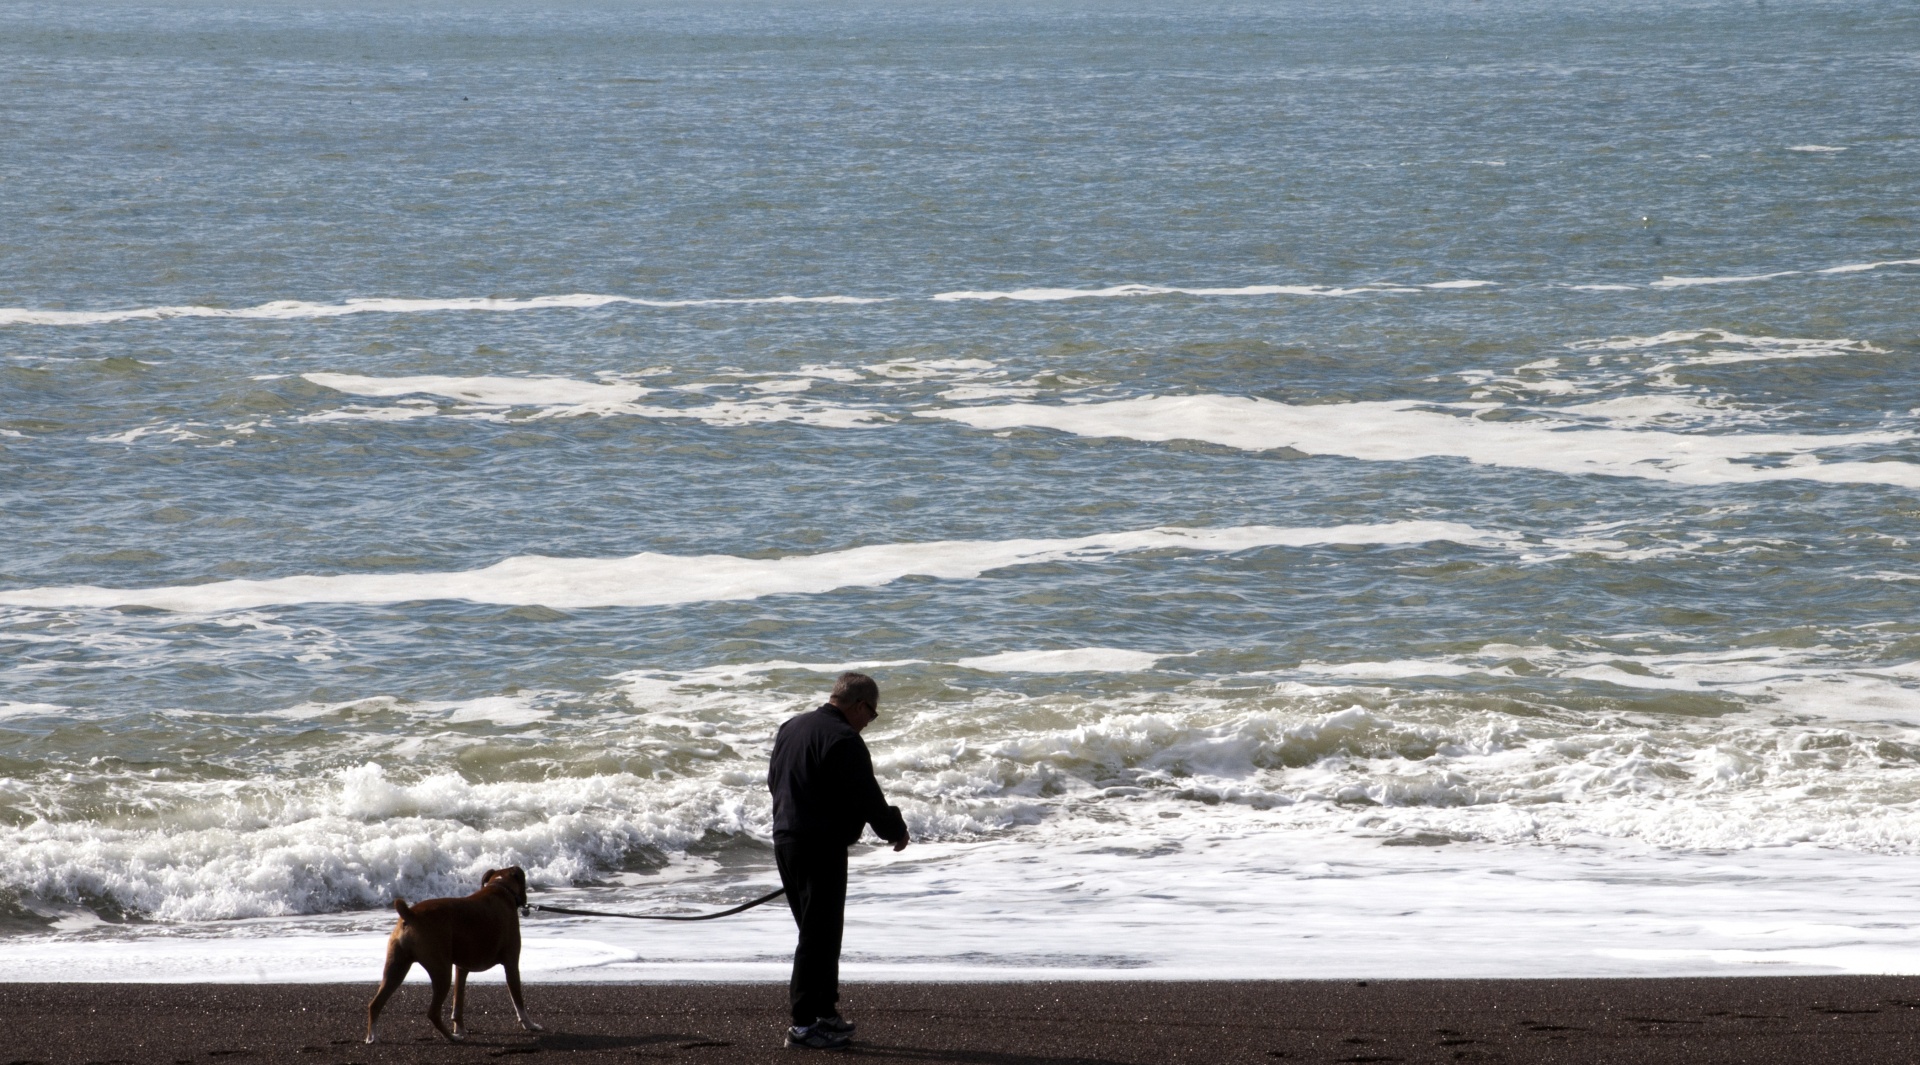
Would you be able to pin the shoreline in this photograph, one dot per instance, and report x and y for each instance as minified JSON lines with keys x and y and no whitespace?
{"x":1225,"y":900}
{"x":1617,"y":1020}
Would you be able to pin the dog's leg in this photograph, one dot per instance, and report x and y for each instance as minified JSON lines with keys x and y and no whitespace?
{"x":398,"y":962}
{"x":460,"y":1001}
{"x":442,"y":979}
{"x":519,"y":1004}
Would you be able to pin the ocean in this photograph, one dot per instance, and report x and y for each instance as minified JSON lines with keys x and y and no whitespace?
{"x":1326,"y":489}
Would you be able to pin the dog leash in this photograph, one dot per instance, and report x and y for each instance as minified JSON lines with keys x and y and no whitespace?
{"x":762,"y":900}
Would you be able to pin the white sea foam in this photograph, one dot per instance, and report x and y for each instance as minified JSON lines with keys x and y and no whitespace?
{"x":1773,"y":680}
{"x":1203,"y":827}
{"x":302,"y":309}
{"x":1689,"y":282}
{"x":765,"y":399}
{"x":1070,"y":660}
{"x":13,"y":709}
{"x":171,"y":433}
{"x":501,"y":398}
{"x":1814,"y":148}
{"x":807,"y":374}
{"x":271,"y":951}
{"x":1202,"y":898}
{"x":653,"y":688}
{"x":1187,"y":901}
{"x":1406,"y":430}
{"x":1652,"y":410}
{"x":312,"y":711}
{"x":761,"y":398}
{"x":507,"y":710}
{"x":520,"y":708}
{"x":651,"y":579}
{"x":305,"y":309}
{"x":921,"y":369}
{"x":758,"y":412}
{"x":1854,"y":268}
{"x":970,"y":393}
{"x":491,"y":391}
{"x":1721,"y":346}
{"x":1237,"y":790}
{"x":1050,"y":295}
{"x":1397,"y":669}
{"x":1847,"y":268}
{"x":356,"y":413}
{"x":293,"y":309}
{"x":357,"y":837}
{"x":1623,"y":368}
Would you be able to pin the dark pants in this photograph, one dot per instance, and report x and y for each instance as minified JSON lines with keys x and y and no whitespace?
{"x":815,"y":876}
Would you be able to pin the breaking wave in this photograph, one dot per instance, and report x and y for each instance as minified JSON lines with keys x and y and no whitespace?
{"x":352,"y":818}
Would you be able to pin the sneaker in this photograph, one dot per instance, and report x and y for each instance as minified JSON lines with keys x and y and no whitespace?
{"x":835,"y":1023}
{"x":813,"y":1037}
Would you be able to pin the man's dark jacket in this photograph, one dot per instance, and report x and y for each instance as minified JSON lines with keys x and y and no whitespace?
{"x":822,"y":781}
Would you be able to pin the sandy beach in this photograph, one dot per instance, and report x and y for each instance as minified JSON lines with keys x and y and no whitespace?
{"x":1619,"y":1022}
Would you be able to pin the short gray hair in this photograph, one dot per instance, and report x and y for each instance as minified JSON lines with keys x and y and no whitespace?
{"x":854,"y":688}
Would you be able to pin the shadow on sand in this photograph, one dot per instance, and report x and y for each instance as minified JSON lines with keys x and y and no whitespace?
{"x":968,"y":1057}
{"x":569,"y":1042}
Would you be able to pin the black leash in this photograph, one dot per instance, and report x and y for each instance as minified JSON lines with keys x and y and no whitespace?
{"x":662,"y":916}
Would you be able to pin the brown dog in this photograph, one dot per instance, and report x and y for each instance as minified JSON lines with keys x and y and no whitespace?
{"x":473,"y":934}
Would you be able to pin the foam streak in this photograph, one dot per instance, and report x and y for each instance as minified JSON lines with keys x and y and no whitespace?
{"x":278,"y":310}
{"x":1847,"y":268}
{"x":1049,"y":295}
{"x":651,"y":579}
{"x":291,"y":309}
{"x":1401,"y":431}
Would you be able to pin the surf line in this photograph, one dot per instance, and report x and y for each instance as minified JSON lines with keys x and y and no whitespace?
{"x":282,"y":310}
{"x":292,"y":309}
{"x":743,"y":907}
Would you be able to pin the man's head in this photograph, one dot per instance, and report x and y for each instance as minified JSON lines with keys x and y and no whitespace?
{"x":858,"y":699}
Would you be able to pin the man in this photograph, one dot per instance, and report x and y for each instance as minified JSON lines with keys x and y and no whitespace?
{"x":824,"y":794}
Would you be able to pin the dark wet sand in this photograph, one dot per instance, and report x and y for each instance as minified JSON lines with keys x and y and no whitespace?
{"x":1811,"y":1020}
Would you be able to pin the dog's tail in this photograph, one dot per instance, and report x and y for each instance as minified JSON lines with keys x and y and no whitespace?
{"x":400,"y":907}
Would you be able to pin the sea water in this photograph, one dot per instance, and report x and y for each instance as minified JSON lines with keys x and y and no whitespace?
{"x":1326,"y":489}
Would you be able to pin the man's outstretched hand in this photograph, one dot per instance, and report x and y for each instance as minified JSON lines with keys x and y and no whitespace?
{"x":901,"y":843}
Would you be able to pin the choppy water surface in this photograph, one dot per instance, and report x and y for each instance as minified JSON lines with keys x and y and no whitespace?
{"x":1323,"y":489}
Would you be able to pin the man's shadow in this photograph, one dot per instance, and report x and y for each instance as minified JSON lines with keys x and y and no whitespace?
{"x":965,"y":1057}
{"x":672,"y":1040}
{"x":561,"y":1041}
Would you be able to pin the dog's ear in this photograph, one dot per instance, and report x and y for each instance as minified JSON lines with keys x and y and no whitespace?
{"x":487,"y":877}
